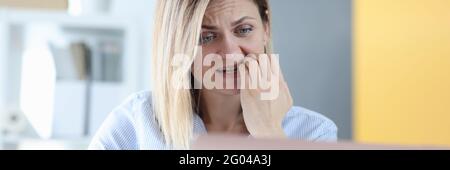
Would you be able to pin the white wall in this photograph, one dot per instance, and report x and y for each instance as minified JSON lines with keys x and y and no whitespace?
{"x":2,"y":75}
{"x":142,"y":11}
{"x":3,"y":64}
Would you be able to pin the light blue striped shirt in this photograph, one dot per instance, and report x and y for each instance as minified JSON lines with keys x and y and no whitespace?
{"x":132,"y":126}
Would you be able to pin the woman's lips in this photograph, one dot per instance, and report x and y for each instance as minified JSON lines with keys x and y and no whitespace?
{"x":227,"y":70}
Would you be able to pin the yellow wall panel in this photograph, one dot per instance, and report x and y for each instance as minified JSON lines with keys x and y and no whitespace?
{"x":402,"y":71}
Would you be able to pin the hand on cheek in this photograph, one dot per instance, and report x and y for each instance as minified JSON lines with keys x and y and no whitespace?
{"x":263,"y":118}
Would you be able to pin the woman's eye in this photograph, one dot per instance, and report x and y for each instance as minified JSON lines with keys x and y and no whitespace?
{"x":244,"y":30}
{"x":207,"y":37}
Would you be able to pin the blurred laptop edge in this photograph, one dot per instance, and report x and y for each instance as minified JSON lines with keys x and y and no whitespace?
{"x":233,"y":142}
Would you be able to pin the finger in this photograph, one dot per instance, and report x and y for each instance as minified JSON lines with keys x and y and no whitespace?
{"x":255,"y":66}
{"x":266,"y":73}
{"x":252,"y":70}
{"x":275,"y":65}
{"x":261,"y":71}
{"x":251,"y":79}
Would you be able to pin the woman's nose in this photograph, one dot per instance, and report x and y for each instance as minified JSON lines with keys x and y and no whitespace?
{"x":229,"y":45}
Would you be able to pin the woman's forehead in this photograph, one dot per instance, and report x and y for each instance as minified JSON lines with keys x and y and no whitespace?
{"x":229,"y":9}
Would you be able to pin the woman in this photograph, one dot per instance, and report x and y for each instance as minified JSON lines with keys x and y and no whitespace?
{"x":171,"y":116}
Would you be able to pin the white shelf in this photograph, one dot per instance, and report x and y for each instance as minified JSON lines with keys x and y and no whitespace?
{"x":133,"y":43}
{"x":18,"y":16}
{"x":105,"y":95}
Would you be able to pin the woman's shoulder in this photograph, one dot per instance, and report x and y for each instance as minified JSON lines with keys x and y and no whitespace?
{"x":302,"y":123}
{"x":139,"y":98}
{"x":135,"y":104}
{"x":125,"y":122}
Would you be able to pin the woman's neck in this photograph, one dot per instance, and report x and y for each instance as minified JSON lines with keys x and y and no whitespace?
{"x":222,"y":113}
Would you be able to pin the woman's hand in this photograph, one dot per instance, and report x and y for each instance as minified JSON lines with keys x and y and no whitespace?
{"x":264,"y":112}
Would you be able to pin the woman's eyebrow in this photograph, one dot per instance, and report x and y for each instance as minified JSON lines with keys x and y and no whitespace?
{"x":242,"y":20}
{"x":209,"y":27}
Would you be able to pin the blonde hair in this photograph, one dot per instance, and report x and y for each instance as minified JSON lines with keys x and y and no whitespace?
{"x":177,"y":31}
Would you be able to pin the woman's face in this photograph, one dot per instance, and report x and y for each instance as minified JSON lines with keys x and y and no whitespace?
{"x":230,"y":27}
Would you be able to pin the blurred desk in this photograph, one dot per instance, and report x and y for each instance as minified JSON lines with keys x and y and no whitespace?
{"x":226,"y":142}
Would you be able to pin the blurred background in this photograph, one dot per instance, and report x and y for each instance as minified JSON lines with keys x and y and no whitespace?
{"x":379,"y":69}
